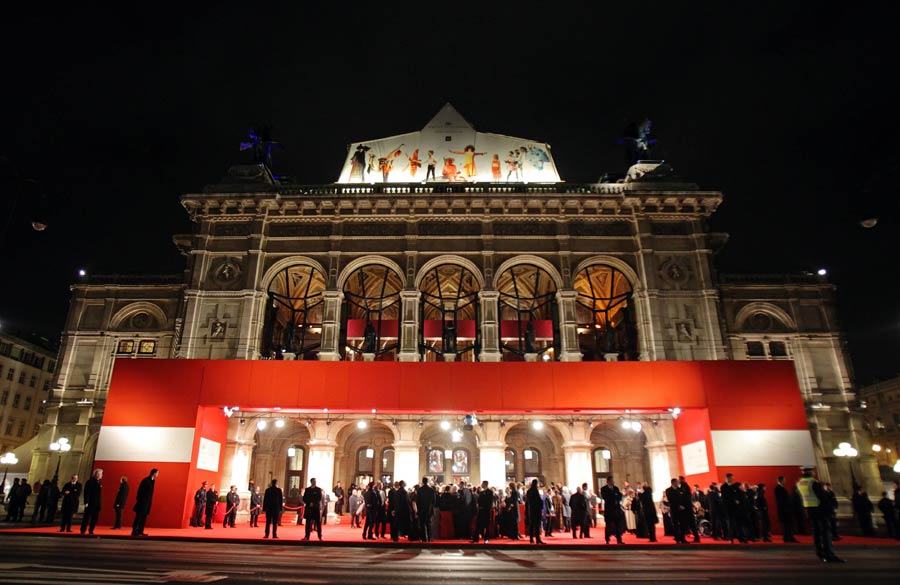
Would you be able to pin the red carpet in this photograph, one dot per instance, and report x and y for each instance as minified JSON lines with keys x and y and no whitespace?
{"x":342,"y":534}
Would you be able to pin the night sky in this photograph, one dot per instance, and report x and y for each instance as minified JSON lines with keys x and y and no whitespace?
{"x":115,"y":112}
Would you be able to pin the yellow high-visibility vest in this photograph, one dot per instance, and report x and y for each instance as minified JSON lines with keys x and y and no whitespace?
{"x":809,"y":497}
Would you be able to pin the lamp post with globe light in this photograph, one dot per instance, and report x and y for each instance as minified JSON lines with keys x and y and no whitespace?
{"x":847,"y":450}
{"x":60,"y":446}
{"x":7,"y":460}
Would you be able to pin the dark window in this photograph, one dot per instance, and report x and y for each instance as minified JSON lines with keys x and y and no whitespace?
{"x":46,"y":385}
{"x":51,"y":366}
{"x":27,"y":405}
{"x":777,"y":349}
{"x":9,"y":426}
{"x":21,"y":377}
{"x":4,"y":398}
{"x":387,"y":466}
{"x":510,"y":457}
{"x":16,"y":399}
{"x":10,"y":374}
{"x":21,"y":429}
{"x":37,"y":429}
{"x":33,"y":381}
{"x":755,"y":349}
{"x":365,"y":461}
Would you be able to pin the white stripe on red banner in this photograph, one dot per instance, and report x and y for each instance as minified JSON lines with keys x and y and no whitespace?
{"x":151,"y":444}
{"x":763,"y":448}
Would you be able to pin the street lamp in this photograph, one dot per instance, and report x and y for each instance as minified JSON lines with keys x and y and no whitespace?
{"x":7,"y":460}
{"x":847,"y":450}
{"x":60,"y":446}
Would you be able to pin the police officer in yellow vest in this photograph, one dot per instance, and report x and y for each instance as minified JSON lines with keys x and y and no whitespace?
{"x":816,"y":505}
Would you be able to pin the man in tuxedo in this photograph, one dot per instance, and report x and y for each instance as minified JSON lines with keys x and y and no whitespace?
{"x":339,"y":499}
{"x":232,"y":502}
{"x":784,"y":507}
{"x":612,"y":510}
{"x":312,"y":514}
{"x":273,"y":502}
{"x":71,"y":492}
{"x":92,"y":491}
{"x":143,"y":503}
{"x":425,"y":499}
{"x":255,"y":506}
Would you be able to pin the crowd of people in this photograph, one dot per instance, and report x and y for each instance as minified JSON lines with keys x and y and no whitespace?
{"x":732,"y":511}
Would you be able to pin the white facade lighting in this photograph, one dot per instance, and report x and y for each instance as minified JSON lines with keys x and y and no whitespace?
{"x":361,"y":424}
{"x":279,"y":423}
{"x":445,"y":425}
{"x":876,"y":447}
{"x":537,"y":425}
{"x":261,"y":425}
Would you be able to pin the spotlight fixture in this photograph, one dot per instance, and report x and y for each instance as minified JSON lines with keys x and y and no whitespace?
{"x":361,"y":424}
{"x":537,"y":425}
{"x":590,"y":424}
{"x":228,"y":411}
{"x":502,"y":423}
{"x":261,"y":425}
{"x":393,"y":422}
{"x":279,"y":423}
{"x":876,"y":447}
{"x":675,"y":412}
{"x":445,"y":425}
{"x":421,"y":423}
{"x":309,"y":422}
{"x":821,"y":272}
{"x":571,"y":423}
{"x":243,"y":421}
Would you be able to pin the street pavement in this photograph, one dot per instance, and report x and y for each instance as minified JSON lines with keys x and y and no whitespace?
{"x":80,"y":560}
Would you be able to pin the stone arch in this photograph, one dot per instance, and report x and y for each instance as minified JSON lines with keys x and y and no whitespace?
{"x":542,"y":263}
{"x":128,"y":311}
{"x":369,"y":259}
{"x":450,"y":259}
{"x":616,"y":263}
{"x":273,"y":270}
{"x":775,"y":312}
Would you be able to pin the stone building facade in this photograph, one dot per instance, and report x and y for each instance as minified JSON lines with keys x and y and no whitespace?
{"x":442,"y":270}
{"x":27,"y":366}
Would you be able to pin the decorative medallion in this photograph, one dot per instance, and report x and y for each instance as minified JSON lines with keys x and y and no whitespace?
{"x":674,"y":272}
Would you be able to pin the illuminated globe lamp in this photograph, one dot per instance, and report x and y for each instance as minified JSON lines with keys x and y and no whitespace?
{"x":60,"y":446}
{"x":846,"y":450}
{"x":7,"y":460}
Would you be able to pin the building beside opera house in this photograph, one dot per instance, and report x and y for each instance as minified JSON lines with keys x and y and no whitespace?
{"x":451,"y":308}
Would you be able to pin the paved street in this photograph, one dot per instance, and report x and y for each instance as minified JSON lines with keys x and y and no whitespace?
{"x":29,"y":559}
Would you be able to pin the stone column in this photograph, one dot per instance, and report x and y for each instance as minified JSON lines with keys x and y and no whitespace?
{"x":406,"y":462}
{"x":409,"y":327}
{"x":321,"y":463}
{"x":663,"y":466}
{"x":568,"y":331}
{"x":578,"y":464}
{"x":492,"y":461}
{"x":331,"y":326}
{"x":490,"y":327}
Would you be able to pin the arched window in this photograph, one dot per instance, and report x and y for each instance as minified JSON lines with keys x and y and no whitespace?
{"x":371,"y":312}
{"x":449,"y":314}
{"x":293,"y":481}
{"x":293,"y":322}
{"x":436,"y":463}
{"x":365,"y":466}
{"x":387,"y":466}
{"x":459,"y":465}
{"x":605,"y":314}
{"x":510,"y":464}
{"x":602,"y":467}
{"x":531,"y":458}
{"x":528,"y":312}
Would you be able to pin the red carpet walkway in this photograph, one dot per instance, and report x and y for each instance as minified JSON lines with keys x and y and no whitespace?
{"x":343,"y":535}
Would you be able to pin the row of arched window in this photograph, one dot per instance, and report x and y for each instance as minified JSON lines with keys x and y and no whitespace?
{"x":449,"y":313}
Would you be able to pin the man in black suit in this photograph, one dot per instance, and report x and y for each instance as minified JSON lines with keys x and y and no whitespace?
{"x":273,"y":501}
{"x":485,"y":503}
{"x":425,"y":499}
{"x":613,"y":514}
{"x":143,"y":503}
{"x":465,"y":504}
{"x":678,"y":505}
{"x":534,"y":511}
{"x":784,"y":507}
{"x":92,"y":491}
{"x":578,"y":504}
{"x":730,"y":504}
{"x":71,"y":492}
{"x":212,"y":500}
{"x":312,"y":514}
{"x":339,"y":499}
{"x":199,"y":505}
{"x":372,"y":501}
{"x":255,"y":506}
{"x":232,"y":502}
{"x":648,"y":509}
{"x":119,"y":504}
